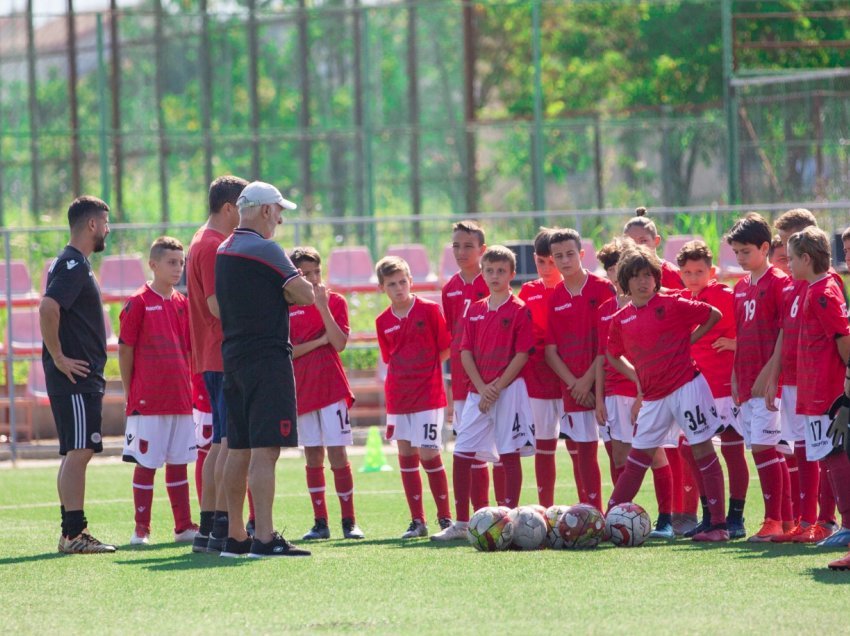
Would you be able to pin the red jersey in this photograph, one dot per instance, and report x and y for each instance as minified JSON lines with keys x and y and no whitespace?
{"x":158,"y":330}
{"x":495,"y":336}
{"x":716,"y":366}
{"x":758,"y":317}
{"x":572,"y":328}
{"x":200,"y":285}
{"x":670,"y":277}
{"x":615,"y":382}
{"x":457,"y":298}
{"x":541,"y":381}
{"x":411,"y":346}
{"x":820,"y":371}
{"x":200,"y":396}
{"x":656,"y":338}
{"x":319,"y":377}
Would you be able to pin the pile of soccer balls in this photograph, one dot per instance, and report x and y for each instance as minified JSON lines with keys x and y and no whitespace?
{"x":558,"y":527}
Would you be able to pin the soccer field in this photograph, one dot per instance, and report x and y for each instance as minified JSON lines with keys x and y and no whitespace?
{"x":385,"y":585}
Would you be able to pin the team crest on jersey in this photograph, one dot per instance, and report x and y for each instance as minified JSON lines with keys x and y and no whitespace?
{"x":822,"y":301}
{"x":506,"y":323}
{"x":592,"y":302}
{"x":285,"y":428}
{"x":480,"y":295}
{"x":660,"y":312}
{"x":420,"y":324}
{"x":761,"y":293}
{"x":143,"y":446}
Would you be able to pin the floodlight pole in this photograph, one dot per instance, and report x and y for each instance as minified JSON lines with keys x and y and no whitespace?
{"x":730,"y":102}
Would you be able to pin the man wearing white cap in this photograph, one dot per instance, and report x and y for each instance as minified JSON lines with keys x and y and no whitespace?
{"x":255,"y":283}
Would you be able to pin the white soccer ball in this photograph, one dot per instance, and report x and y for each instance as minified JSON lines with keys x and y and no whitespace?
{"x":530,"y":528}
{"x":628,"y":525}
{"x":553,"y":538}
{"x":490,"y":529}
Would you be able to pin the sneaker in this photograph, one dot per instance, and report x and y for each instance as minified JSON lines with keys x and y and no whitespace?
{"x":84,"y":543}
{"x":250,"y":528}
{"x":215,"y":544}
{"x":714,"y":534}
{"x":662,"y":531}
{"x":141,"y":536}
{"x":61,"y":546}
{"x":684,"y":523}
{"x":416,"y":529}
{"x":277,"y":547}
{"x":702,"y":526}
{"x":841,"y":564}
{"x":350,"y":530}
{"x":815,"y":533}
{"x":736,"y":528}
{"x":455,"y":532}
{"x":200,"y":542}
{"x":319,"y":530}
{"x":234,"y":548}
{"x":187,"y":535}
{"x":769,"y":529}
{"x":444,"y":522}
{"x":838,"y":539}
{"x":788,"y":537}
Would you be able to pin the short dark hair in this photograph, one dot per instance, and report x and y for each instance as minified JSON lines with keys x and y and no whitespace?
{"x":694,"y":251}
{"x":470,"y":227}
{"x":223,"y":190}
{"x":814,"y":242}
{"x":795,"y":220}
{"x":642,"y":221}
{"x":609,"y":254}
{"x":83,"y":208}
{"x":750,"y":230}
{"x":541,"y":242}
{"x":845,"y":235}
{"x":633,"y":261}
{"x":301,"y":254}
{"x":499,"y":254}
{"x":562,"y":234}
{"x":163,"y":243}
{"x":775,"y":244}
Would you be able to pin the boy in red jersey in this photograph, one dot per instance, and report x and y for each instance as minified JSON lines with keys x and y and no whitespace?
{"x":153,"y":355}
{"x":464,"y":288}
{"x":823,"y":352}
{"x":414,"y":342}
{"x":649,"y":342}
{"x":319,"y":332}
{"x":714,"y":355}
{"x":496,"y":420}
{"x":544,"y":387}
{"x":643,"y":231}
{"x":758,"y":318}
{"x":571,"y":346}
{"x":778,"y":255}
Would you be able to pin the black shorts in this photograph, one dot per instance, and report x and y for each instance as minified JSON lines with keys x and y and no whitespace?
{"x":78,"y":418}
{"x":260,"y":399}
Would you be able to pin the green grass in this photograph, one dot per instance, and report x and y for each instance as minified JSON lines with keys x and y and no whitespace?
{"x":384,"y":585}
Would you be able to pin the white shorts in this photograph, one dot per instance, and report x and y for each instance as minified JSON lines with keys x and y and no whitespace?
{"x":153,"y":440}
{"x":505,"y":428}
{"x":546,"y":417}
{"x":818,"y":445}
{"x":423,"y":429}
{"x":580,"y":426}
{"x":327,"y":426}
{"x":793,"y":426}
{"x":729,"y":414}
{"x":457,"y":411}
{"x":760,"y":426}
{"x":689,"y":408}
{"x":619,"y":423}
{"x":203,"y":427}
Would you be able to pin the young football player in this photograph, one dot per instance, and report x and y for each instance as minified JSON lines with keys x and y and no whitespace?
{"x":571,"y":346}
{"x":319,"y":332}
{"x":153,"y":356}
{"x":464,"y":288}
{"x":823,"y":352}
{"x":778,"y":255}
{"x":496,"y":420}
{"x":544,"y":387}
{"x":649,"y":342}
{"x":414,"y":343}
{"x":643,"y":231}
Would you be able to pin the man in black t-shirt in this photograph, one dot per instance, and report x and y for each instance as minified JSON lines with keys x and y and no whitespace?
{"x":74,"y":356}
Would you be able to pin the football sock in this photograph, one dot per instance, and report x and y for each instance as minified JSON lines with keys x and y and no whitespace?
{"x":463,"y":468}
{"x":662,"y":479}
{"x":62,"y":512}
{"x":412,"y":483}
{"x":794,"y":483}
{"x":177,"y":486}
{"x":691,"y":483}
{"x":203,"y":451}
{"x":715,"y":489}
{"x":618,"y":470}
{"x":480,"y":484}
{"x":252,"y":516}
{"x":75,"y":523}
{"x":787,"y":507}
{"x":736,"y":510}
{"x":207,"y":517}
{"x":220,"y":527}
{"x":545,"y":470}
{"x":631,"y":478}
{"x":609,"y":449}
{"x":499,"y":486}
{"x":316,"y":488}
{"x":344,"y":484}
{"x":513,"y":478}
{"x":143,"y":494}
{"x":675,"y":461}
{"x":826,"y":500}
{"x":706,"y":512}
{"x":572,"y":449}
{"x":591,"y":478}
{"x":732,"y":447}
{"x":770,"y":477}
{"x":439,"y":484}
{"x":839,"y":475}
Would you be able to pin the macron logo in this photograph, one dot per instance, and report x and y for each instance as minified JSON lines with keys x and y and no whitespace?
{"x":453,"y":294}
{"x":391,"y":329}
{"x":563,"y":307}
{"x":629,"y":319}
{"x":300,"y":312}
{"x":154,"y":308}
{"x":72,"y":264}
{"x":538,"y":297}
{"x":741,"y":295}
{"x":475,"y":318}
{"x":607,"y":318}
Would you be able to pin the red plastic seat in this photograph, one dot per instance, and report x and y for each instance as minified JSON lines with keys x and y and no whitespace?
{"x":350,"y":269}
{"x":26,"y":331}
{"x":21,"y":285}
{"x":675,"y":243}
{"x":420,"y":267}
{"x":727,"y":264}
{"x":120,"y":276}
{"x":588,"y":261}
{"x":36,"y":383}
{"x":111,"y":337}
{"x":448,"y":265}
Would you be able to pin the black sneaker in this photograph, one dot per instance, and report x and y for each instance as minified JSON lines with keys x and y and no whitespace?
{"x":215,"y":544}
{"x":319,"y":530}
{"x":199,"y":543}
{"x":350,"y":530}
{"x":234,"y":548}
{"x":736,"y":528}
{"x":702,"y":526}
{"x":250,"y":528}
{"x":277,"y":547}
{"x":445,"y":522}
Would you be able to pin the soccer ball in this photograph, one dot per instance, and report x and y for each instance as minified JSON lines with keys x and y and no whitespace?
{"x":581,"y":526}
{"x":530,"y":528}
{"x":490,"y":529}
{"x":628,"y":525}
{"x":553,"y":537}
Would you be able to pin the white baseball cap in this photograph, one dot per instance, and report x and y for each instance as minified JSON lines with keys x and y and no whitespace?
{"x":261,"y":193}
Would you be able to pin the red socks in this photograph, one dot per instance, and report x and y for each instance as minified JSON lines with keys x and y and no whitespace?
{"x":732,"y":448}
{"x":715,"y":489}
{"x":794,"y":476}
{"x":480,"y":484}
{"x":513,"y":478}
{"x":545,"y":470}
{"x":628,"y":484}
{"x":143,"y":495}
{"x":591,"y":478}
{"x":344,"y":484}
{"x":839,"y":476}
{"x":787,"y":506}
{"x":662,"y":479}
{"x":412,"y":483}
{"x":463,"y":468}
{"x":690,"y":480}
{"x":177,"y":485}
{"x":826,"y":500}
{"x":439,"y":485}
{"x":499,"y":484}
{"x":572,"y":449}
{"x":316,"y":488}
{"x":199,"y":469}
{"x":609,"y":449}
{"x":770,"y":476}
{"x":675,"y":461}
{"x":808,"y":478}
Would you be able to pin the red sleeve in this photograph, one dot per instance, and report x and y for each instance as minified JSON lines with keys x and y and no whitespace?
{"x":524,"y":331}
{"x":603,"y":327}
{"x":524,"y":292}
{"x":444,"y":338}
{"x":446,"y":305}
{"x":383,"y":345}
{"x":830,"y":311}
{"x":339,"y":312}
{"x":468,"y":335}
{"x":615,"y":340}
{"x":130,"y":321}
{"x":206,"y":267}
{"x":551,"y":338}
{"x":691,"y":312}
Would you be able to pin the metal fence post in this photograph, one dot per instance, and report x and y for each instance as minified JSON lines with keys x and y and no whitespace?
{"x":537,"y":163}
{"x":101,"y":102}
{"x":730,"y":101}
{"x":10,"y":357}
{"x":367,"y":135}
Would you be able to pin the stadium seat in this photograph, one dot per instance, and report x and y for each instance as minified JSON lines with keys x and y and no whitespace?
{"x":26,"y":331}
{"x":675,"y":243}
{"x":448,"y":266}
{"x":120,"y":276}
{"x":350,"y":269}
{"x":588,"y":261}
{"x":44,"y":271}
{"x":36,"y":383}
{"x":111,"y":337}
{"x":727,"y":264}
{"x":21,"y":285}
{"x":420,"y":267}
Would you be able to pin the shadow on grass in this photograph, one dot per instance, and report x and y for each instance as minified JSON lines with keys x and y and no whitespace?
{"x":747,"y":550}
{"x":32,"y":558}
{"x":827,"y":576}
{"x":188,"y":561}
